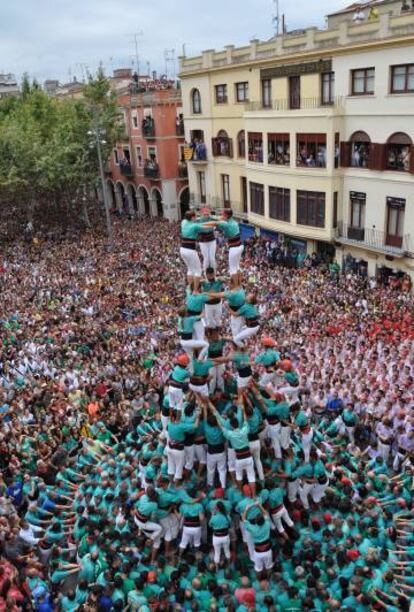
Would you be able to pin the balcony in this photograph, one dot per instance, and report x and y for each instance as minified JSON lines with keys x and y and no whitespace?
{"x":199,"y":154}
{"x":285,"y":104}
{"x":373,"y":240}
{"x":182,"y":170}
{"x":148,"y":128}
{"x":126,"y":169}
{"x":152,"y":170}
{"x":179,"y":128}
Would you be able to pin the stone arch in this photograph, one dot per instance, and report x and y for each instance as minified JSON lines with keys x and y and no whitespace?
{"x":184,"y":201}
{"x":120,"y":196}
{"x":132,"y":199}
{"x":143,"y":200}
{"x":156,"y":202}
{"x":110,"y":191}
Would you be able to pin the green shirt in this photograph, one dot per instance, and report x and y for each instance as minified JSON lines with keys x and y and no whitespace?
{"x":202,"y":368}
{"x":189,"y":229}
{"x":145,"y":506}
{"x":229,"y":228}
{"x":236,"y":298}
{"x":180,"y":374}
{"x":195,"y":302}
{"x":248,"y":311}
{"x":186,"y":324}
{"x":259,"y":533}
{"x":219,"y":521}
{"x":177,"y":431}
{"x":238,"y":438}
{"x":267,"y":358}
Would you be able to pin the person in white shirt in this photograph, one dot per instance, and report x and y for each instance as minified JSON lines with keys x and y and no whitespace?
{"x":359,"y":16}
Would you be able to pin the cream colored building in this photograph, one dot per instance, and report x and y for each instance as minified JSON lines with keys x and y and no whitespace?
{"x":311,"y":134}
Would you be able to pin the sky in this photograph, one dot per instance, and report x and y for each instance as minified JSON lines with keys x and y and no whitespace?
{"x":61,"y":39}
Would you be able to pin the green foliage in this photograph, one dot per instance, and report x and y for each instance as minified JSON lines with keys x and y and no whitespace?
{"x":46,"y":157}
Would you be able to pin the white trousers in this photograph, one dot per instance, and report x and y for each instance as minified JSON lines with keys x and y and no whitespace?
{"x":235,"y":254}
{"x":273,"y":433}
{"x":245,"y":465}
{"x":176,"y":460}
{"x":304,"y":490}
{"x":171,"y":526}
{"x":213,"y":315}
{"x":199,"y":331}
{"x":189,"y":456}
{"x":175,"y":397}
{"x":192,"y":261}
{"x":231,"y":459}
{"x":152,"y":530}
{"x":255,"y":451}
{"x":236,"y":323}
{"x":279,"y":516}
{"x":216,"y":461}
{"x":263,"y":560}
{"x":243,"y":381}
{"x":200,"y":453}
{"x":201,"y":389}
{"x":221,"y":543}
{"x":244,"y":334}
{"x":318,"y":491}
{"x":217,"y":380}
{"x":285,"y":437}
{"x":293,"y":489}
{"x":399,"y":458}
{"x":208,"y":251}
{"x":164,"y":423}
{"x":384,"y":450}
{"x":306,"y":445}
{"x":189,"y":345}
{"x":191,"y":536}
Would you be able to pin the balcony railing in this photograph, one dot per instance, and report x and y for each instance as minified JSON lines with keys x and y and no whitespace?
{"x":179,"y":128}
{"x":152,"y":170}
{"x":126,"y":169}
{"x":199,"y":153}
{"x":148,"y":128}
{"x":305,"y":104}
{"x":182,"y":170}
{"x":373,"y":239}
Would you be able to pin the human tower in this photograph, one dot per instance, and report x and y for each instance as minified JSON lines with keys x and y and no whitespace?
{"x":222,"y":440}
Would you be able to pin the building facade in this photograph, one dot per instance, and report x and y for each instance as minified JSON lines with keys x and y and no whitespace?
{"x":8,"y":85}
{"x":310,"y":135}
{"x":146,"y":173}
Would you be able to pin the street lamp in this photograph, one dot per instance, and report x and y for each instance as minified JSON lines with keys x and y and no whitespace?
{"x":98,"y":134}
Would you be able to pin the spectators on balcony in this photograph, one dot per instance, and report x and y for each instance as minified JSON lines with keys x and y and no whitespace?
{"x":359,"y":16}
{"x":148,"y":126}
{"x":199,"y":150}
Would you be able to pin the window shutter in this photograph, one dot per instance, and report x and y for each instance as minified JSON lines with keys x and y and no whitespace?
{"x":345,"y":154}
{"x":230,"y":147}
{"x":215,"y":147}
{"x":376,"y":159}
{"x":412,"y":159}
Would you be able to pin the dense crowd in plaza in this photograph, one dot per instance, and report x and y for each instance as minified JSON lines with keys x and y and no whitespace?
{"x":240,"y":439}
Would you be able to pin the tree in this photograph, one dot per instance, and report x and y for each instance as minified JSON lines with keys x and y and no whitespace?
{"x":47,"y":164}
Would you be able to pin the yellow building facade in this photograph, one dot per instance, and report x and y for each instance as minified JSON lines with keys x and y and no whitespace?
{"x":309,"y":136}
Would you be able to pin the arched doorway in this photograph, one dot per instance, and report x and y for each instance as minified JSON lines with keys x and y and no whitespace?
{"x":132,"y":198}
{"x":157,"y":202}
{"x":121,"y":199}
{"x":111,"y":194}
{"x":143,"y":201}
{"x":184,"y":201}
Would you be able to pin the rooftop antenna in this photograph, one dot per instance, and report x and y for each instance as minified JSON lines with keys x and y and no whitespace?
{"x":169,"y":56}
{"x":276,"y":17}
{"x":136,"y":36}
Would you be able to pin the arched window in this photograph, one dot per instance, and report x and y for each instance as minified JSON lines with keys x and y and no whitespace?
{"x":222,"y":145}
{"x":196,"y":102}
{"x":241,"y":144}
{"x":399,"y":147}
{"x":360,"y":149}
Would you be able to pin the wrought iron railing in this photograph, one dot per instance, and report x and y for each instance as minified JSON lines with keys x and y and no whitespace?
{"x":374,"y":238}
{"x":305,"y":104}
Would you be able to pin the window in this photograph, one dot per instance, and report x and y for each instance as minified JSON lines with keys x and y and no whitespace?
{"x":402,"y":79}
{"x":398,"y":152}
{"x":363,"y":81}
{"x":311,"y":150}
{"x":116,"y":157}
{"x":358,"y":201}
{"x":139,"y":156}
{"x":221,"y":94}
{"x":279,"y":203}
{"x":257,"y":198}
{"x":127,"y":155}
{"x":202,"y":186}
{"x":360,"y":150}
{"x":311,"y":208}
{"x":242,"y":92}
{"x":279,"y":149}
{"x":255,"y":146}
{"x":328,"y":87}
{"x":241,"y":144}
{"x":198,"y":146}
{"x":181,"y":152}
{"x":395,"y":221}
{"x":267,"y":93}
{"x":196,"y":102}
{"x":152,"y":153}
{"x":222,"y":145}
{"x":225,"y":188}
{"x":244,"y":193}
{"x":134,"y":120}
{"x":294,"y":92}
{"x":335,"y":210}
